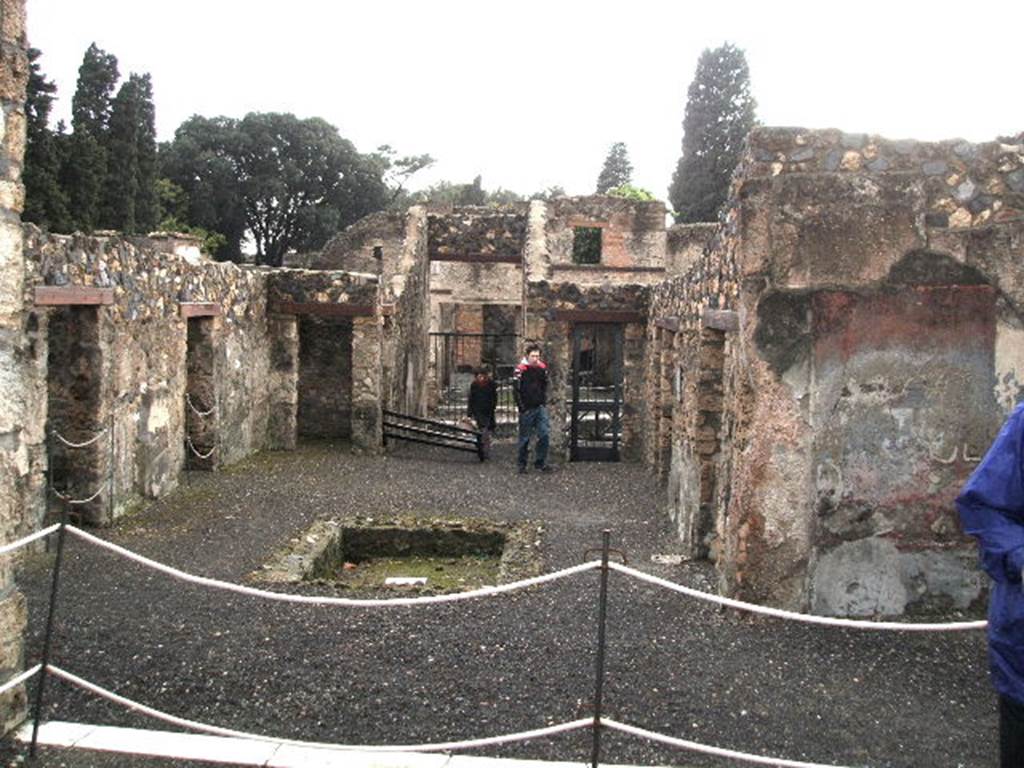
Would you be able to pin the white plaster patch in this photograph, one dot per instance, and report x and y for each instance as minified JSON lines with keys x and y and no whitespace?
{"x":159,"y":417}
{"x":859,"y":578}
{"x":1009,"y":364}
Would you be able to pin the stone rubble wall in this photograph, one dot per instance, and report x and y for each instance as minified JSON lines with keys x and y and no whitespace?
{"x":17,"y":480}
{"x":876,"y":291}
{"x":471,"y":231}
{"x":353,"y":249}
{"x":143,"y":375}
{"x":685,"y":243}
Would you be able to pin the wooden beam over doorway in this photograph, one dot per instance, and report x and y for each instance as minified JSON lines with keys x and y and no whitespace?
{"x":72,"y":295}
{"x":322,"y":309}
{"x":599,"y":316}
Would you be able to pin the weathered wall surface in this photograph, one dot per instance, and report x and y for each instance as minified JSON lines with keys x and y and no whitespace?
{"x":876,"y":296}
{"x":17,"y":482}
{"x":478,"y":233}
{"x":138,"y":369}
{"x":361,"y":247}
{"x":684,"y":245}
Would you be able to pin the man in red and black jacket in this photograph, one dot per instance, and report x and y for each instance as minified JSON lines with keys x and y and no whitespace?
{"x":530,"y":385}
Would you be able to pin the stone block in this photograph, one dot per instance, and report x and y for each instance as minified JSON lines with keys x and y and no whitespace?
{"x":12,"y":22}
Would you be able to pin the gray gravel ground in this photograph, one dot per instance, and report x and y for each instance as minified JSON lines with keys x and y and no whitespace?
{"x":488,"y":666}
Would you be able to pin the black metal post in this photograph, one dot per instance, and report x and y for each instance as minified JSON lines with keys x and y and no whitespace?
{"x":47,"y":637}
{"x":602,"y":611}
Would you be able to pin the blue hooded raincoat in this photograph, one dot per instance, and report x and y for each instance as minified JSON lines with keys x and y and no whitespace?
{"x":991,"y":507}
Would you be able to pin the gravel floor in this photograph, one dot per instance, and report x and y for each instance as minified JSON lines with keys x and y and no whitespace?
{"x":489,"y":666}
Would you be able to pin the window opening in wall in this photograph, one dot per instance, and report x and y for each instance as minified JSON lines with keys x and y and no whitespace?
{"x":378,"y":252}
{"x":325,"y":378}
{"x":200,"y":396}
{"x":586,"y":245}
{"x":78,"y":437}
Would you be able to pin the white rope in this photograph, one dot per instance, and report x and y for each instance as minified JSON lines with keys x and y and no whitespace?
{"x":196,"y":411}
{"x":807,"y":618}
{"x":447,"y":746}
{"x":325,"y":600}
{"x":28,"y":539}
{"x":87,"y":443}
{"x":19,"y":679}
{"x":73,"y":502}
{"x":195,"y":450}
{"x":698,"y":747}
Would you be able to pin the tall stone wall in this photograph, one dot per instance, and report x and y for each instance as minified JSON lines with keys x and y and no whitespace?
{"x":16,"y":478}
{"x":871,"y":350}
{"x":136,"y":373}
{"x":685,"y":244}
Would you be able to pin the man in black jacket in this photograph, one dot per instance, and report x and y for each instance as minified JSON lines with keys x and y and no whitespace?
{"x":530,"y":385}
{"x":481,"y":406}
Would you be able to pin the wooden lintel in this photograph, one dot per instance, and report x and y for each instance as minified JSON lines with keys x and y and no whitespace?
{"x":598,"y":316}
{"x":69,"y":295}
{"x":322,"y":309}
{"x":477,"y":258}
{"x":669,"y":323}
{"x":602,"y":268}
{"x":199,"y":309}
{"x":721,"y":319}
{"x":576,"y":221}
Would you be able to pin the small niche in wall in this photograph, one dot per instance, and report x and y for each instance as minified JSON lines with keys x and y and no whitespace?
{"x":586,"y":245}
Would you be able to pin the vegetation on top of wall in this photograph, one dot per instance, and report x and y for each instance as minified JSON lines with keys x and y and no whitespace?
{"x":617,"y":170}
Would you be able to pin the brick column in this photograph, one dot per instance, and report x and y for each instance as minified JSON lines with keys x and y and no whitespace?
{"x":14,"y":459}
{"x":284,"y":382}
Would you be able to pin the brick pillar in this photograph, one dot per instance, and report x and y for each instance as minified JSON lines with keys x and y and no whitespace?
{"x":284,"y":382}
{"x":14,"y":460}
{"x":366,"y":385}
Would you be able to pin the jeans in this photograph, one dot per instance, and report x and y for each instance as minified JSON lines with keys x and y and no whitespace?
{"x":535,"y":419}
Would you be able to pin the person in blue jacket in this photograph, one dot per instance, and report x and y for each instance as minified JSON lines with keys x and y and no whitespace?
{"x":991,"y":507}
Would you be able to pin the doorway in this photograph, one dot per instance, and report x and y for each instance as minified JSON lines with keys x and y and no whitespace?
{"x":595,"y":418}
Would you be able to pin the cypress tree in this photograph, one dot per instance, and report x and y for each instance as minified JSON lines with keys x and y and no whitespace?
{"x":121,"y":146}
{"x":147,"y":204}
{"x":85,"y":168}
{"x":45,"y":201}
{"x":617,"y":170}
{"x":719,"y":115}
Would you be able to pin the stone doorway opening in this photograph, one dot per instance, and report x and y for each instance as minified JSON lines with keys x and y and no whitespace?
{"x":200,"y":396}
{"x":78,"y":438}
{"x":596,"y":391}
{"x":408,"y":553}
{"x":325,"y":378}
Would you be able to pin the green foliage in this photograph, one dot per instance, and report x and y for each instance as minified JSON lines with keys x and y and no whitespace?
{"x":147,"y":206}
{"x":549,"y":194}
{"x":395,"y":171}
{"x":449,"y":193}
{"x":121,"y":185}
{"x":720,"y":111}
{"x":285,"y":182}
{"x":586,"y":245}
{"x":629,"y":192}
{"x":46,"y":203}
{"x":617,"y":170}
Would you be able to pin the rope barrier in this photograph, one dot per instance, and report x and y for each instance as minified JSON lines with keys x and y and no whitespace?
{"x":326,"y":600}
{"x":695,"y":746}
{"x":895,"y":626}
{"x":196,"y":411}
{"x":216,"y":730}
{"x":73,"y":502}
{"x":19,"y":679}
{"x":195,"y":450}
{"x":28,"y":539}
{"x":87,"y":443}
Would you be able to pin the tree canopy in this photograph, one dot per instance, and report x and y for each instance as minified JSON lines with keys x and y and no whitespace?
{"x":720,"y":111}
{"x":287,"y":183}
{"x":617,"y":170}
{"x":46,"y":203}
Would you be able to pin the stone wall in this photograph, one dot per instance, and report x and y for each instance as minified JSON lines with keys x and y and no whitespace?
{"x":128,"y":364}
{"x":477,"y":233}
{"x":685,"y":243}
{"x":361,"y":247}
{"x":17,"y":482}
{"x":871,"y":350}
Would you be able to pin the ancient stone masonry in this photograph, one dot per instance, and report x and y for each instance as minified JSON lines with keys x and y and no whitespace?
{"x":124,"y":368}
{"x":875,"y":296}
{"x":16,"y":477}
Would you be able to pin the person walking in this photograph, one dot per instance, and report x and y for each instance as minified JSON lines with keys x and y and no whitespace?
{"x":530,"y":386}
{"x":481,"y":407}
{"x":991,"y":507}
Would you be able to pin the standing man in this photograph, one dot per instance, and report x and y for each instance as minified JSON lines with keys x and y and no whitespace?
{"x":991,"y":507}
{"x":481,"y":407}
{"x":530,"y":385}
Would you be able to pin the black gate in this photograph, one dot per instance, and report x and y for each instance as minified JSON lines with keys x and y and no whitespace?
{"x":595,"y":422}
{"x":456,"y":355}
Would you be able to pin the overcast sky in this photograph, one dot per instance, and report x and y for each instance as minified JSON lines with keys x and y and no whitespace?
{"x":532,"y":94}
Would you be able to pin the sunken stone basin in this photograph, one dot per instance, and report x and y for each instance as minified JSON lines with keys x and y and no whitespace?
{"x":408,"y":552}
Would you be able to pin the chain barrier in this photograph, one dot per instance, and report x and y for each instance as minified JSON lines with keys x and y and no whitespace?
{"x":192,"y":447}
{"x":86,"y":444}
{"x":75,"y":502}
{"x":196,"y":411}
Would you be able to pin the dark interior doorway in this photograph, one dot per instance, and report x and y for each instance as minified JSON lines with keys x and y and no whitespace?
{"x":200,"y":396}
{"x":325,"y":377}
{"x":595,"y":415}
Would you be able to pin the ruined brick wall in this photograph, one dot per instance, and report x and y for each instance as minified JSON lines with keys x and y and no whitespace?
{"x":633,"y":240}
{"x":330,"y":345}
{"x":685,"y":244}
{"x":877,"y":295}
{"x":17,"y":428}
{"x":361,"y":247}
{"x":133,"y":369}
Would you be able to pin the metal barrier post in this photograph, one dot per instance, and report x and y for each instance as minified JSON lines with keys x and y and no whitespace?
{"x":47,"y":637}
{"x":602,"y":610}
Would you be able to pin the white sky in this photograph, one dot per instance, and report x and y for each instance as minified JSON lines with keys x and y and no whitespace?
{"x":532,"y":93}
